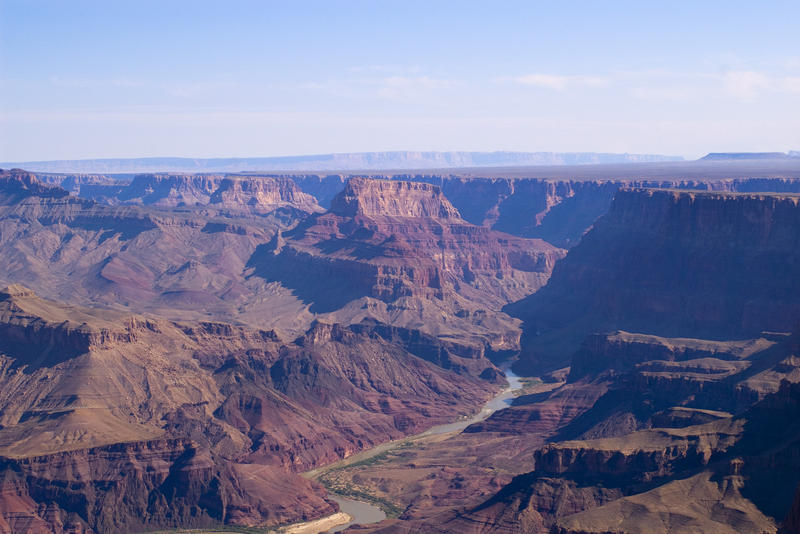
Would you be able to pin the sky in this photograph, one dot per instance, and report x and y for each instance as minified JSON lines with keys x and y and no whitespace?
{"x":83,"y":79}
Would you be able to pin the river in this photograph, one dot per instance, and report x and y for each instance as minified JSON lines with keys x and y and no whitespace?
{"x":364,"y":513}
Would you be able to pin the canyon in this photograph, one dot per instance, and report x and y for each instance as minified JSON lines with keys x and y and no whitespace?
{"x":177,"y":349}
{"x":196,"y":423}
{"x":637,"y":421}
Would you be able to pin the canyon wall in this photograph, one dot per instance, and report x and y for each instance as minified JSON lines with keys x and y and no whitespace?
{"x":558,"y":208}
{"x":678,"y":264}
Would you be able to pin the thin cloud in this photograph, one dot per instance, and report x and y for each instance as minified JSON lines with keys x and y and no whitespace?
{"x":745,"y":84}
{"x":791,"y":84}
{"x":557,"y":82}
{"x":384,"y":69}
{"x":401,"y":87}
{"x":661,"y":94}
{"x":393,"y":87}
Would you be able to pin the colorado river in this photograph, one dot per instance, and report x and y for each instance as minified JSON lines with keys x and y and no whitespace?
{"x":362,"y":512}
{"x":365,"y":513}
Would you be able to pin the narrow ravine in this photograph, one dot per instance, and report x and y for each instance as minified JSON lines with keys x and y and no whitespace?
{"x":365,"y":513}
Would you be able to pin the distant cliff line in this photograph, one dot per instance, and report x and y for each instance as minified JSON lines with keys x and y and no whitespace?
{"x":341,"y":162}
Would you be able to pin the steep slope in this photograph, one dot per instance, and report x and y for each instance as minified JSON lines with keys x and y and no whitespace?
{"x":196,"y":424}
{"x":18,"y":184}
{"x":678,"y":264}
{"x":560,"y":204}
{"x":741,"y":471}
{"x":400,"y":252}
{"x":418,"y":269}
{"x":86,"y":185}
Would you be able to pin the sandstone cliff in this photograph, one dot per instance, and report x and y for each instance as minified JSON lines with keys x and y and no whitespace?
{"x":16,"y":184}
{"x":385,"y":198}
{"x":258,"y":195}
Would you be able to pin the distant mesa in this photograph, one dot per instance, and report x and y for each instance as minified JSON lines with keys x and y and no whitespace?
{"x":735,"y":156}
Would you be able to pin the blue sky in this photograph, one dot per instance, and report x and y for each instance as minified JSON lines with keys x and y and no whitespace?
{"x":236,"y":78}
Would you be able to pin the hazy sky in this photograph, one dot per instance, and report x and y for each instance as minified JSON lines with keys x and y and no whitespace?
{"x":234,"y":78}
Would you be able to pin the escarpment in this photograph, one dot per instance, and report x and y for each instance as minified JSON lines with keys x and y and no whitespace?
{"x":35,"y":333}
{"x":559,"y":205}
{"x":139,"y":486}
{"x":678,"y":264}
{"x":170,"y":189}
{"x":16,"y":184}
{"x":184,"y":264}
{"x":389,"y":198}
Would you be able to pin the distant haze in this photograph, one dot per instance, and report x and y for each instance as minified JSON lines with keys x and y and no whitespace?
{"x":337,"y":162}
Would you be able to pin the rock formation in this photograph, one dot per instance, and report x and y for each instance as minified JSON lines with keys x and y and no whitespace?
{"x":557,"y":204}
{"x":389,"y":246}
{"x":261,"y":194}
{"x":256,"y":194}
{"x":115,"y":422}
{"x":184,"y":264}
{"x":678,"y":264}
